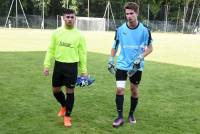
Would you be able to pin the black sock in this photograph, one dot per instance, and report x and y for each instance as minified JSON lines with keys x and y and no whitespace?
{"x":69,"y":103}
{"x":119,"y":104}
{"x":134,"y":102}
{"x":60,"y":97}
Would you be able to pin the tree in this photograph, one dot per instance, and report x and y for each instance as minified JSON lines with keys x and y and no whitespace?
{"x":185,"y":13}
{"x":191,"y":14}
{"x":4,"y":7}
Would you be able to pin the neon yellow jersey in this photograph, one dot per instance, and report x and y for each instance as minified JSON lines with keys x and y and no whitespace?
{"x":68,"y":46}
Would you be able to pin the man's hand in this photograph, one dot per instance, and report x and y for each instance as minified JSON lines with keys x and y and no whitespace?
{"x":46,"y":71}
{"x":131,"y":72}
{"x":111,"y":66}
{"x":136,"y":65}
{"x":84,"y":74}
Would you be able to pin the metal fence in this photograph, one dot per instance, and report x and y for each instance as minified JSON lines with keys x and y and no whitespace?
{"x":35,"y":21}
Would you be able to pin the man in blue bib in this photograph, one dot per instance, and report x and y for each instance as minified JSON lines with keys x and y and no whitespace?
{"x":134,"y":41}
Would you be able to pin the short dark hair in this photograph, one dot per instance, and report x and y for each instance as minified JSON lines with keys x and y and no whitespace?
{"x":69,"y":11}
{"x":133,"y":6}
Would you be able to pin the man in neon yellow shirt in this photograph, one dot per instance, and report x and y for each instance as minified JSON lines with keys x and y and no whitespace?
{"x":68,"y":49}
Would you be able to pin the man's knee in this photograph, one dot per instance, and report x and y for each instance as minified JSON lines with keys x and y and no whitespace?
{"x":120,"y":91}
{"x":134,"y":94}
{"x":134,"y":90}
{"x":70,"y":90}
{"x":56,"y":89}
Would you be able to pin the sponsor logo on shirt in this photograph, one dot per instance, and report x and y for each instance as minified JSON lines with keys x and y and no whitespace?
{"x":61,"y":43}
{"x":124,"y":33}
{"x":131,"y":46}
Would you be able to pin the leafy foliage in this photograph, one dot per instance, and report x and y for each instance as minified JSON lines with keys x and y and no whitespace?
{"x":97,"y":7}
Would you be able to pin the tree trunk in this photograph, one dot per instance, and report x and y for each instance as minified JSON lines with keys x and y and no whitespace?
{"x":177,"y":20}
{"x":191,"y":15}
{"x":185,"y":14}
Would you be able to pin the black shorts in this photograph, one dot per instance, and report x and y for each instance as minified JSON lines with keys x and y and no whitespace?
{"x":121,"y":75}
{"x":64,"y":74}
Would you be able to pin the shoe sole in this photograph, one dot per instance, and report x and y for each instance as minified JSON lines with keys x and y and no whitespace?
{"x":116,"y":126}
{"x":68,"y":126}
{"x":132,"y":122}
{"x":61,"y":115}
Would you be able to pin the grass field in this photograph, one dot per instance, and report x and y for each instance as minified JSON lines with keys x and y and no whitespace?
{"x":169,"y":94}
{"x":179,"y":49}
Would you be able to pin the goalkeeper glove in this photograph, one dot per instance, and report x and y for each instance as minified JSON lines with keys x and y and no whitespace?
{"x":138,"y":59}
{"x":84,"y":81}
{"x":131,"y":72}
{"x":111,"y":66}
{"x":136,"y":65}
